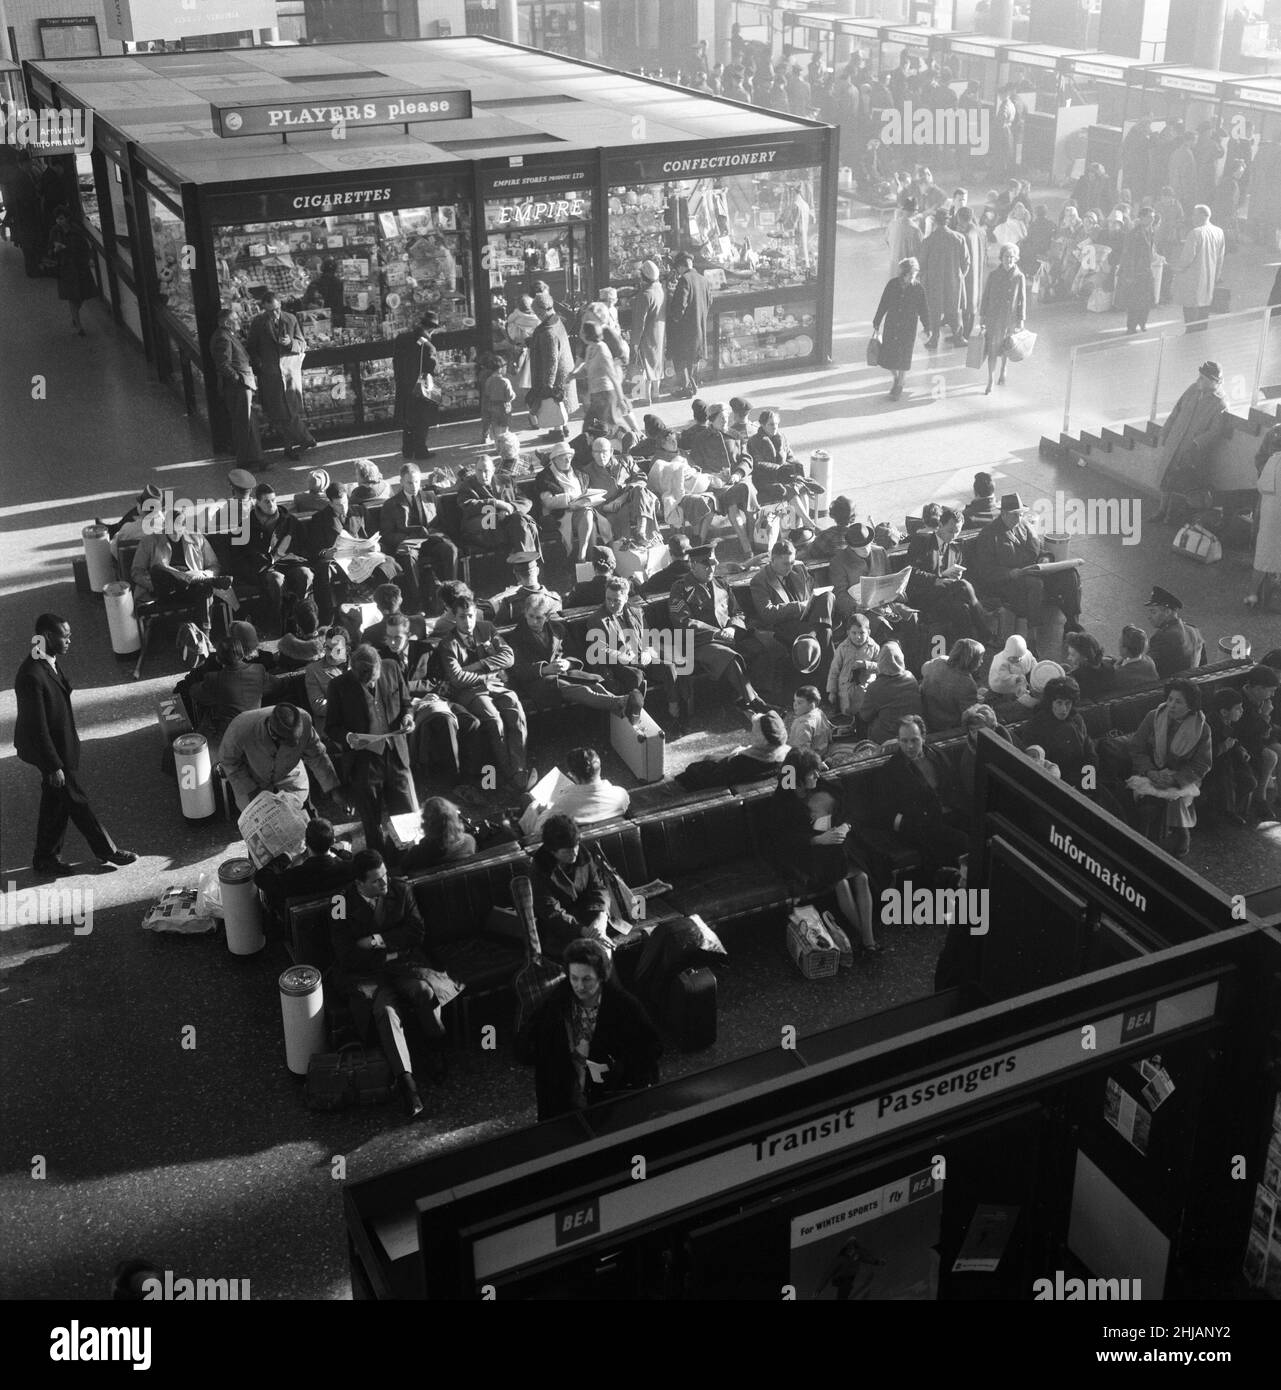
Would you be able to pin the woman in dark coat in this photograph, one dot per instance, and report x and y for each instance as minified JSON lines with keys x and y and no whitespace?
{"x":1134,"y":288}
{"x":1002,"y":311}
{"x":901,"y":308}
{"x":551,"y":361}
{"x":413,"y":358}
{"x":1060,"y":730}
{"x":589,"y":1039}
{"x":73,"y":253}
{"x":809,"y":841}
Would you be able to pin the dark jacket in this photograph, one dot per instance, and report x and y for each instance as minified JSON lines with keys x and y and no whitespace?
{"x":905,"y":792}
{"x":687,"y":309}
{"x":405,"y":519}
{"x":1175,"y":646}
{"x":402,"y":930}
{"x":263,"y":549}
{"x":590,"y":593}
{"x":411,"y":359}
{"x":733,"y":770}
{"x":346,"y":712}
{"x":1134,"y":675}
{"x":967,"y":773}
{"x":624,"y":1039}
{"x":1066,"y":742}
{"x":468,"y":664}
{"x":317,"y":875}
{"x":231,"y":690}
{"x":45,"y":733}
{"x":565,"y":898}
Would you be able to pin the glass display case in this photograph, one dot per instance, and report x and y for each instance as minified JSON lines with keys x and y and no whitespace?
{"x":768,"y":333}
{"x":547,"y":237}
{"x":87,"y":191}
{"x":173,"y":279}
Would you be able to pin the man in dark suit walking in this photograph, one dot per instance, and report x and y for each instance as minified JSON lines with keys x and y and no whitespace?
{"x":687,"y":310}
{"x":369,"y":713}
{"x":45,"y":736}
{"x":377,"y":934}
{"x":238,"y":383}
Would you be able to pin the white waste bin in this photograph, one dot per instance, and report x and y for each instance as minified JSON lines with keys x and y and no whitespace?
{"x":194,"y":769}
{"x":240,"y":908}
{"x":98,"y":559}
{"x":123,"y":626}
{"x":302,"y":1011}
{"x":821,"y":472}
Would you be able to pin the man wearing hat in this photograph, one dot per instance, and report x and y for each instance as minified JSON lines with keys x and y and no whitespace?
{"x":314,"y":499}
{"x":508,"y":605}
{"x":237,"y":382}
{"x":1175,"y":645}
{"x":131,"y":527}
{"x":678,"y":547}
{"x":1197,"y":423}
{"x":276,"y":348}
{"x":649,"y":331}
{"x":937,"y":585}
{"x":858,"y":558}
{"x":687,"y":311}
{"x":707,"y":608}
{"x":1005,"y":552}
{"x":1199,"y":268}
{"x":787,"y":607}
{"x":591,"y":592}
{"x":272,"y":750}
{"x":414,"y":366}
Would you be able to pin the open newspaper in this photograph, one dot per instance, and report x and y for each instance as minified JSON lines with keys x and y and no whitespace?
{"x":873,"y":590}
{"x":542,"y":794}
{"x":272,"y":824}
{"x":358,"y":558}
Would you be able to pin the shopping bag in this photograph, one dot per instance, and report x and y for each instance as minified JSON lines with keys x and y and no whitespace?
{"x":1021,"y":345}
{"x":976,"y":353}
{"x":874,"y":350}
{"x":1222,"y":300}
{"x":552,"y":415}
{"x":1099,"y":302}
{"x":1198,"y":543}
{"x":1158,"y":272}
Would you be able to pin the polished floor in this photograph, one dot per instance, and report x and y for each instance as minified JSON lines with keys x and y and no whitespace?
{"x":146,"y":1073}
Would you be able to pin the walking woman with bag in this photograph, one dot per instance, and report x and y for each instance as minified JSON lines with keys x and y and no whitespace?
{"x":74,"y":258}
{"x":901,"y":308}
{"x":1002,"y":311}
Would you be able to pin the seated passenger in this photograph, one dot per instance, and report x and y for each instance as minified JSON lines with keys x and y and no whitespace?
{"x":388,"y":599}
{"x":239,"y":682}
{"x":1175,"y":645}
{"x":302,"y":643}
{"x":177,"y":562}
{"x":314,"y":499}
{"x":700,"y":603}
{"x":983,"y":508}
{"x":1230,"y":783}
{"x":923,"y":802}
{"x":685,"y":495}
{"x":809,"y":840}
{"x":1257,"y":733}
{"x":1005,"y":553}
{"x":748,"y":763}
{"x":571,"y":899}
{"x":494,"y":515}
{"x":830,"y":539}
{"x":894,"y":694}
{"x":590,"y":593}
{"x":326,"y":668}
{"x":972,"y":720}
{"x":1083,"y":661}
{"x":937,"y":584}
{"x":858,"y":558}
{"x":662,"y":581}
{"x":507,"y":605}
{"x":445,"y":840}
{"x":786,"y":606}
{"x":1011,"y":668}
{"x":590,"y":798}
{"x":1135,"y":668}
{"x":1060,"y":732}
{"x":1171,"y":749}
{"x":949,"y":685}
{"x":371,"y":489}
{"x":810,"y":727}
{"x":589,"y":1039}
{"x":563,"y":495}
{"x":323,"y":867}
{"x":545,"y":678}
{"x":618,"y":649}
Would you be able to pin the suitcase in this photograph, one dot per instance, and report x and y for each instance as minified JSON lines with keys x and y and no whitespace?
{"x":691,"y":1009}
{"x":355,"y":1075}
{"x":640,"y":745}
{"x":1222,"y":300}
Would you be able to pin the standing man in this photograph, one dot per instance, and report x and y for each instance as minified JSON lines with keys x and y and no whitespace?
{"x":368,"y":715}
{"x":426,"y":555}
{"x":945,"y":268}
{"x":276,"y":350}
{"x":701,"y":603}
{"x":1199,"y":269}
{"x":687,"y":309}
{"x":1189,"y":436}
{"x":414,"y":366}
{"x":272,"y":750}
{"x":1182,"y":172}
{"x":649,"y":331}
{"x":45,"y":736}
{"x":975,"y":277}
{"x":238,"y":383}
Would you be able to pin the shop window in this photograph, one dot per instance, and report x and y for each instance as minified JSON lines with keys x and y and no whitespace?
{"x":767,"y":333}
{"x":173,"y":280}
{"x":329,"y":396}
{"x":88,"y":193}
{"x":356,"y":278}
{"x":751,"y":233}
{"x":548,"y":238}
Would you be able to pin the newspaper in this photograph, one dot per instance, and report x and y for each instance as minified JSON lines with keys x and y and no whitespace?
{"x":357,"y":558}
{"x":1053,"y":566}
{"x":272,"y":824}
{"x":405,"y":829}
{"x":542,"y":794}
{"x":874,"y":590}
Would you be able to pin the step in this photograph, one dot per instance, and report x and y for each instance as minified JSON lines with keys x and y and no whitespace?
{"x":1111,"y":439}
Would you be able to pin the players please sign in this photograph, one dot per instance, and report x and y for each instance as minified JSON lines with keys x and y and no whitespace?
{"x":276,"y":118}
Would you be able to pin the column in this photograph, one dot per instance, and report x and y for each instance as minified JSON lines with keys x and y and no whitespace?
{"x":508,"y":28}
{"x":1001,"y":25}
{"x":1211,"y":15}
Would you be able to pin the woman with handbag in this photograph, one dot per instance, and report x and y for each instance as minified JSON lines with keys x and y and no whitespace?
{"x":1002,"y":311}
{"x":417,"y":395}
{"x":901,"y":308}
{"x":74,"y":258}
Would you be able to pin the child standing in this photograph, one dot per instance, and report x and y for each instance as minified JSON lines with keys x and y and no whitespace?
{"x":496,"y":397}
{"x":810,"y":728}
{"x":852,"y":660}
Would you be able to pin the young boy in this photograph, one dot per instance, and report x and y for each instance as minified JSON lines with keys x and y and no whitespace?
{"x":1229,"y":784}
{"x":496,"y":397}
{"x":846,"y":683}
{"x":810,"y":728}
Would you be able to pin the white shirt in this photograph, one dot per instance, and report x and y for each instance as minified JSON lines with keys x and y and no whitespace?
{"x":587,"y":803}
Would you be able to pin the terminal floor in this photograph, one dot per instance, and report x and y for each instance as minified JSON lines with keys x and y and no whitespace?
{"x":204,"y":1158}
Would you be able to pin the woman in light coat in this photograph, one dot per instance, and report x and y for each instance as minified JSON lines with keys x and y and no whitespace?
{"x":521,"y":322}
{"x":649,"y":332}
{"x":1171,"y":753}
{"x":1002,"y":311}
{"x":1267,"y":545}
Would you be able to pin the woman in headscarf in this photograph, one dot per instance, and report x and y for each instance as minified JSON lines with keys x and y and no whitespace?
{"x":649,"y":332}
{"x":893,"y":694}
{"x":1060,"y":731}
{"x":521,"y":322}
{"x":1171,"y":753}
{"x":810,"y":842}
{"x":901,"y":308}
{"x":1002,"y":312}
{"x":974,"y":719}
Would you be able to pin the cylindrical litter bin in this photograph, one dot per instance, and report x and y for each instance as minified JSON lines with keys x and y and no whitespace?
{"x":1057,"y":545}
{"x":821,"y":472}
{"x":240,"y":910}
{"x":102,"y":568}
{"x":195,"y":775}
{"x":302,"y":1011}
{"x":123,"y":626}
{"x":1235,"y":648}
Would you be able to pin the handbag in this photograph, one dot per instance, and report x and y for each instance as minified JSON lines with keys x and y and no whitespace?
{"x":1222,"y":300}
{"x":874,"y":350}
{"x":538,"y":977}
{"x":1198,"y":543}
{"x":428,"y":389}
{"x":623,"y":901}
{"x":976,"y":353}
{"x":552,"y":415}
{"x":1020,"y":345}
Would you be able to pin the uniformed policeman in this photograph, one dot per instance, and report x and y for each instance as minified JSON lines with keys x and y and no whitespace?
{"x":701,"y":603}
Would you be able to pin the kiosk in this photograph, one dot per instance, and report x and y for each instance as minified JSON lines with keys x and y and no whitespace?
{"x":979,"y":58}
{"x":467,"y":169}
{"x":1251,"y":112}
{"x":1054,"y":131}
{"x":1068,"y":1115}
{"x":1191,"y":95}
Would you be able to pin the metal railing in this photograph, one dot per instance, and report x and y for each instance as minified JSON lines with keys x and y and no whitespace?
{"x":1131,"y":380}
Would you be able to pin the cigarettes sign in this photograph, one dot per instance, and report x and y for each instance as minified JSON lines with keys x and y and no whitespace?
{"x":277,"y":118}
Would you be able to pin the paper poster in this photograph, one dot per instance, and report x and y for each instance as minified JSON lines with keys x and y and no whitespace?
{"x":1130,"y":1120}
{"x":876,"y":1245}
{"x":990,"y":1230}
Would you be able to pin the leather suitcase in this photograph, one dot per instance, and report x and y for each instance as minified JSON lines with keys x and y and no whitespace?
{"x":640,"y":745}
{"x":691,"y":1009}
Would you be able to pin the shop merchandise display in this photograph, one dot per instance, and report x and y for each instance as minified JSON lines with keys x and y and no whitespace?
{"x":173,"y":280}
{"x":539,"y":238}
{"x":767,"y":333}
